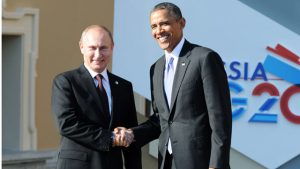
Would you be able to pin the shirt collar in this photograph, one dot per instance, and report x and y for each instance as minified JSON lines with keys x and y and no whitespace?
{"x":176,"y":50}
{"x":94,"y":74}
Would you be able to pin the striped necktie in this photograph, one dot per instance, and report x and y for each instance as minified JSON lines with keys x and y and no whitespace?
{"x":103,"y":95}
{"x":169,"y":80}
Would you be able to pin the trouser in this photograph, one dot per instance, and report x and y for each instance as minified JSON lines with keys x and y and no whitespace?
{"x":169,"y":161}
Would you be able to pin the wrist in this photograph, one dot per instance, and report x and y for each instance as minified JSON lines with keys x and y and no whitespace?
{"x":132,"y":133}
{"x":112,"y":139}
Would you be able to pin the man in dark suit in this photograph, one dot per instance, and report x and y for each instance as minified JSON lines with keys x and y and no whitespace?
{"x":190,"y":99}
{"x":88,"y":103}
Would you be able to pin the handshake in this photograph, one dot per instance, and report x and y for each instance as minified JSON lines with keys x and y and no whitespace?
{"x":122,"y":137}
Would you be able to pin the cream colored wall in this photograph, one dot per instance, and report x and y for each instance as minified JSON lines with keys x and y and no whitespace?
{"x":61,"y":23}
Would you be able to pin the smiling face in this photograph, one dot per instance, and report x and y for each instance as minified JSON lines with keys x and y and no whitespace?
{"x":96,"y":47}
{"x":166,"y":29}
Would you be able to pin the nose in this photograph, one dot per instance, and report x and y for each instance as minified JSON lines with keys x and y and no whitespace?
{"x":97,"y":52}
{"x":158,"y":30}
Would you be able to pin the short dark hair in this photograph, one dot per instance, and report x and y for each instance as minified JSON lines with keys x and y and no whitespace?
{"x":173,"y":9}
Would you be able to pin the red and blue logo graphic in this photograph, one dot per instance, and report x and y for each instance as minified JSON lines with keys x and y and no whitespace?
{"x":287,"y":72}
{"x":283,"y":69}
{"x":285,"y":66}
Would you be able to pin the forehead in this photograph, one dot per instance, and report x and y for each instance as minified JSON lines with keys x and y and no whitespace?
{"x":161,"y":16}
{"x":96,"y":35}
{"x":160,"y":13}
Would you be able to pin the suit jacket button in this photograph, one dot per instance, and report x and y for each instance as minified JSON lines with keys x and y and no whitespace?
{"x":170,"y":122}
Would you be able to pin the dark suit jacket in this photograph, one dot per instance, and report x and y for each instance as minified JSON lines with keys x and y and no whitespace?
{"x":199,"y":119}
{"x":85,"y":129}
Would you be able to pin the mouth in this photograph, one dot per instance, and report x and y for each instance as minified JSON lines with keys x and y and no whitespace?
{"x":98,"y":61}
{"x":163,"y":39}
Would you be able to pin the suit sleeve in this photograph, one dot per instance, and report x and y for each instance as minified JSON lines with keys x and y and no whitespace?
{"x":149,"y":130}
{"x":132,"y":154}
{"x":70,"y":124}
{"x":217,"y":98}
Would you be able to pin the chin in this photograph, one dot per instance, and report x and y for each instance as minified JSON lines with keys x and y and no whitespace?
{"x":97,"y":68}
{"x":163,"y":47}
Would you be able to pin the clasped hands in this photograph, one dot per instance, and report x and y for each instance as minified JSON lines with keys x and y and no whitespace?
{"x":123,"y":137}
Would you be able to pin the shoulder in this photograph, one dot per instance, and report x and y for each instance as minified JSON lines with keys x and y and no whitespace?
{"x":118,"y":80}
{"x":158,"y":62}
{"x":204,"y":51}
{"x":69,"y":75}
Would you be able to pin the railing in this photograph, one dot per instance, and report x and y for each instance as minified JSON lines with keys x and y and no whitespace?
{"x":28,"y":159}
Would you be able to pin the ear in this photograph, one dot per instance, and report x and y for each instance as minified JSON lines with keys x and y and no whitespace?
{"x":182,"y":22}
{"x":112,"y":46}
{"x":81,"y":47}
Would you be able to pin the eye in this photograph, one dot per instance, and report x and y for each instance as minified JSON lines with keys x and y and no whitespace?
{"x":153,"y":27}
{"x":104,"y":49}
{"x":91,"y":48}
{"x":165,"y":24}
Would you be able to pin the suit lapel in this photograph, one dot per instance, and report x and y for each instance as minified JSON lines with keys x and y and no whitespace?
{"x":182,"y":65}
{"x":160,"y":80}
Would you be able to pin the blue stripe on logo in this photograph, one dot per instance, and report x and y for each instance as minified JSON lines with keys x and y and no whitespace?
{"x":282,"y":69}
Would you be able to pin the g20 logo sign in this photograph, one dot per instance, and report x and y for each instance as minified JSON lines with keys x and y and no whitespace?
{"x":276,"y":67}
{"x":264,"y":114}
